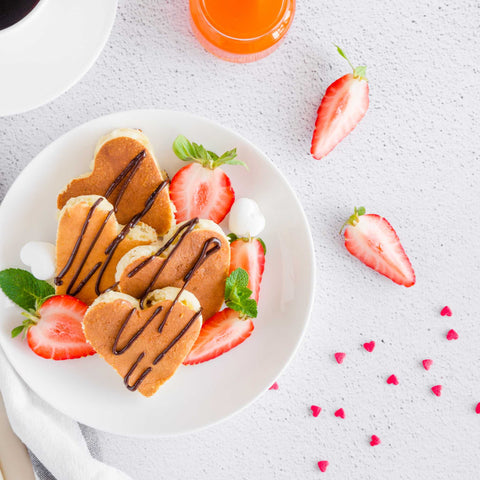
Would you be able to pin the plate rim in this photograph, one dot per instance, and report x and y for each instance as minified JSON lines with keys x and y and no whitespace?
{"x":311,"y":258}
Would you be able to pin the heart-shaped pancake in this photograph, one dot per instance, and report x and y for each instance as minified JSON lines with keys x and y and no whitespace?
{"x":90,"y":242}
{"x":145,"y":346}
{"x":125,"y":173}
{"x":195,"y":253}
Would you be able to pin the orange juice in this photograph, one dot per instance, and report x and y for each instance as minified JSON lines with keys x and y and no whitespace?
{"x":241,"y":30}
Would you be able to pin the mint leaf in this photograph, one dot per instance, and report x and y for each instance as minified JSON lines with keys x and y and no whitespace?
{"x":238,"y":279}
{"x":250,"y":308}
{"x":237,"y":294}
{"x":22,"y":288}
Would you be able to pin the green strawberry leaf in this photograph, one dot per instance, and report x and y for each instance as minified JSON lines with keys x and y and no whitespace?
{"x":22,"y":288}
{"x":17,"y":331}
{"x":358,"y":72}
{"x":262,"y":243}
{"x":232,"y":237}
{"x":183,"y":149}
{"x":192,"y":152}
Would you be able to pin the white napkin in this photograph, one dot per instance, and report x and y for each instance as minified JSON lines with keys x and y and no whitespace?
{"x":53,"y":438}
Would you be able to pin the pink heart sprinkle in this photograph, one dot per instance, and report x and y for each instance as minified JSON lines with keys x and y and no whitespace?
{"x":315,"y":410}
{"x":446,"y":312}
{"x":339,"y":357}
{"x":477,"y":408}
{"x":437,"y":390}
{"x":369,"y":346}
{"x":322,"y":465}
{"x":274,"y":386}
{"x":375,"y":441}
{"x":427,"y":363}
{"x":340,"y":413}
{"x":392,"y":379}
{"x":452,"y":335}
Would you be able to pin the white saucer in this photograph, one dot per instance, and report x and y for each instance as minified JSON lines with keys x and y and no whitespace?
{"x":47,"y":55}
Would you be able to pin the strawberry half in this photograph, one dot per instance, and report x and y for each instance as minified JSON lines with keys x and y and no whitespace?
{"x":249,"y":254}
{"x":57,"y":333}
{"x":344,"y":104}
{"x":200,"y":192}
{"x":373,"y":240}
{"x":202,"y":189}
{"x":219,"y":334}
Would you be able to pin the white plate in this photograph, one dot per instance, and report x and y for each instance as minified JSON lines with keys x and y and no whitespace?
{"x":88,"y":389}
{"x":45,"y":56}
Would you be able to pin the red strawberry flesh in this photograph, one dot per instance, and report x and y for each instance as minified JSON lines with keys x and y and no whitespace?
{"x":201,"y":192}
{"x":250,"y":256}
{"x":58,"y":335}
{"x":344,"y":104}
{"x":374,"y":241}
{"x":219,"y":334}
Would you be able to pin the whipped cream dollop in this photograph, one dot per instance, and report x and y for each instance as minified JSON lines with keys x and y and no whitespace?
{"x":246,"y":219}
{"x":40,"y":257}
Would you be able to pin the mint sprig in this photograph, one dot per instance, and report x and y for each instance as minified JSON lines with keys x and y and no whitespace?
{"x":192,"y":152}
{"x":237,"y":294}
{"x":22,"y":288}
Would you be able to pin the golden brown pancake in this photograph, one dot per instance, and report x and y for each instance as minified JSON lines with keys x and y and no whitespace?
{"x":90,"y":258}
{"x":102,"y":326}
{"x":114,"y":153}
{"x":207,"y":282}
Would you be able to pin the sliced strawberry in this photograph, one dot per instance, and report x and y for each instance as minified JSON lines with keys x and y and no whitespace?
{"x":58,"y":334}
{"x":201,"y":192}
{"x":344,"y":104}
{"x":249,"y":254}
{"x":219,"y":334}
{"x":373,"y":240}
{"x":202,"y":189}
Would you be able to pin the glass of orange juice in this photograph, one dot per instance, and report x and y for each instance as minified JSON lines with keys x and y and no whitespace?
{"x":241,"y":30}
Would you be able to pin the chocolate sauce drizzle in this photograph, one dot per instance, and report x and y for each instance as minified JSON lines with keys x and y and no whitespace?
{"x":58,"y":279}
{"x":129,"y":343}
{"x":110,"y":251}
{"x":129,"y":170}
{"x":157,"y":359}
{"x":210,"y":246}
{"x":140,"y":379}
{"x":204,"y":254}
{"x":126,"y":176}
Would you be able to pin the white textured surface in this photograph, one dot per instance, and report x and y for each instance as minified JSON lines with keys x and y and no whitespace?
{"x":414,"y":159}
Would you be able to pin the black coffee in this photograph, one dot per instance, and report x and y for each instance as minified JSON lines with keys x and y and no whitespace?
{"x":12,"y":11}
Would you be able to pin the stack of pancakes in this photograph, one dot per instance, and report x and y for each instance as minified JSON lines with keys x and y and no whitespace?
{"x":148,"y":281}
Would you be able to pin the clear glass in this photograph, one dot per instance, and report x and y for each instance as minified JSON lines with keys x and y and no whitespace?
{"x":241,"y":30}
